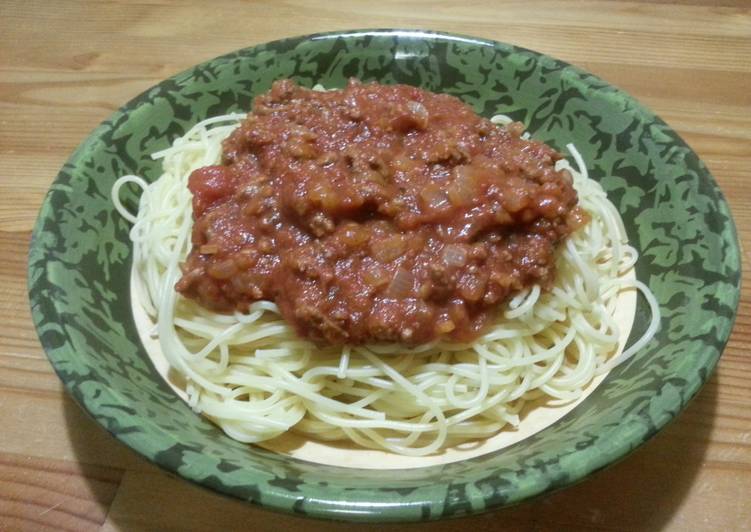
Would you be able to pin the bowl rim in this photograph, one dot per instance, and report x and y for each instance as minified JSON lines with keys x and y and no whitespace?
{"x":44,"y":311}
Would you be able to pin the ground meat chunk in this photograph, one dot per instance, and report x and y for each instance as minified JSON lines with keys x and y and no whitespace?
{"x":375,"y":213}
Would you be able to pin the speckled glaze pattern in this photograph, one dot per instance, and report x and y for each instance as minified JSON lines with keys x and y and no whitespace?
{"x":80,"y":260}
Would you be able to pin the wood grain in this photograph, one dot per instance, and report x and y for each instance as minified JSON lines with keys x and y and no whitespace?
{"x":64,"y":67}
{"x":53,"y":494}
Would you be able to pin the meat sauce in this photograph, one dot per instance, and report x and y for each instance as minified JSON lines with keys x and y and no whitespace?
{"x":375,"y":213}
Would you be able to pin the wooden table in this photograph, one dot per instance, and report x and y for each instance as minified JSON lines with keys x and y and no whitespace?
{"x":65,"y":66}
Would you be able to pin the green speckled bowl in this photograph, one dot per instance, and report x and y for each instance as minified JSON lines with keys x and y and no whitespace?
{"x":80,"y":262}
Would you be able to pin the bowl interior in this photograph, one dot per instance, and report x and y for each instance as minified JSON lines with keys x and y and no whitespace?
{"x":675,"y":216}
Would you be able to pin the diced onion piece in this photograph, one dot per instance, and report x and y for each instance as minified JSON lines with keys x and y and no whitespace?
{"x":419,"y":112}
{"x":454,"y":256}
{"x":376,"y":177}
{"x":444,"y":326}
{"x":208,"y":249}
{"x":434,"y":197}
{"x":515,"y":198}
{"x":515,"y":128}
{"x":577,"y":217}
{"x":415,"y":116}
{"x":458,"y":312}
{"x":322,"y":194}
{"x":330,"y":201}
{"x":403,"y":163}
{"x":222,"y":270}
{"x":354,"y":235}
{"x":464,"y":188}
{"x":246,"y":258}
{"x":472,"y":288}
{"x":425,"y":290}
{"x":401,"y":284}
{"x":375,"y":277}
{"x":388,"y":249}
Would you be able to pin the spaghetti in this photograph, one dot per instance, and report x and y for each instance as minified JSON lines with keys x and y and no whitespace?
{"x":254,"y":377}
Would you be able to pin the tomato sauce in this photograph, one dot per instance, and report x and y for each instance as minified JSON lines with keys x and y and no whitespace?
{"x":375,"y":213}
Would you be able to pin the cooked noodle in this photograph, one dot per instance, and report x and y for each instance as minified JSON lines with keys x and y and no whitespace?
{"x":254,"y":377}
